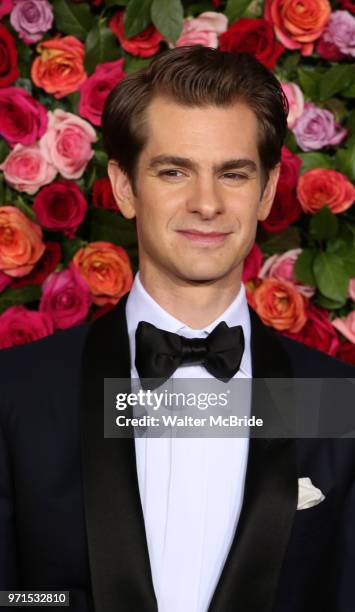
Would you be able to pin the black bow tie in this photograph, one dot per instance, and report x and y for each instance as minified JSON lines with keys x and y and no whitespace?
{"x":159,"y":353}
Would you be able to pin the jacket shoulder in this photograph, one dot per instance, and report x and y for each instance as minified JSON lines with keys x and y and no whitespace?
{"x":57,"y":353}
{"x":310,"y":362}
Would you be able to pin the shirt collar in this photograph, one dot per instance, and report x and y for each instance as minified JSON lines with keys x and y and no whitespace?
{"x":142,"y":307}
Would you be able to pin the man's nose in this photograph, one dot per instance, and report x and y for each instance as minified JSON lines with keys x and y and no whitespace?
{"x":205,"y":199}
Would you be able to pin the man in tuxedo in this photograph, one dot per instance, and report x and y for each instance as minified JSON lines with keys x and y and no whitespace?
{"x":164,"y":524}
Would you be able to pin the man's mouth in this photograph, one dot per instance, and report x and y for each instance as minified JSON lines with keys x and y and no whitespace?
{"x":204,"y":237}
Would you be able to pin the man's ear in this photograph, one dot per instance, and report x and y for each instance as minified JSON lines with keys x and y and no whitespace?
{"x":268,"y":196}
{"x":122,"y":189}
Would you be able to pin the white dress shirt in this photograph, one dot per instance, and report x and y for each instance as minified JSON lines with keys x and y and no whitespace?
{"x":191,"y":489}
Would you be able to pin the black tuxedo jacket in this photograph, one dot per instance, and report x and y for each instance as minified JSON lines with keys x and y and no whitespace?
{"x":70,"y":512}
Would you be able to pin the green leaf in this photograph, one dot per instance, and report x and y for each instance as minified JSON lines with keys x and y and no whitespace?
{"x":323,"y":225}
{"x":310,"y":83}
{"x":137,"y":17}
{"x":282,"y":241}
{"x":196,"y":8}
{"x":324,"y":302}
{"x":345,"y":249}
{"x":303,"y":268}
{"x":235,"y":9}
{"x":26,"y":209}
{"x":345,"y":162}
{"x":132,"y":64}
{"x":69,"y":248}
{"x":100,"y":158}
{"x":100,"y":47}
{"x":290,"y":142}
{"x":336,"y":79}
{"x":74,"y":19}
{"x":331,"y":277}
{"x":113,"y":227}
{"x":315,"y":160}
{"x":168,"y":18}
{"x":350,"y":122}
{"x":73,"y":100}
{"x":255,"y":10}
{"x":4,"y":149}
{"x":289,"y":67}
{"x":349,"y":92}
{"x":22,"y":295}
{"x":337,"y":107}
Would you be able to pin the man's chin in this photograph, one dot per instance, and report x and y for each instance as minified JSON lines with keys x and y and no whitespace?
{"x":202,"y":276}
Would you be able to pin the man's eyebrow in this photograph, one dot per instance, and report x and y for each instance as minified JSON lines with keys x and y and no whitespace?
{"x":185,"y":162}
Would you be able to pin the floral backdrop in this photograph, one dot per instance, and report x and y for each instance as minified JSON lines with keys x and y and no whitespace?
{"x":66,"y":252}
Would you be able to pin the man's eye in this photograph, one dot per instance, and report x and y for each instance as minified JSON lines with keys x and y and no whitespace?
{"x":172,"y":173}
{"x":234,"y":175}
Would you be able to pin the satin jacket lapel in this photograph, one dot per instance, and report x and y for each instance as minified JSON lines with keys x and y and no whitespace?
{"x":118,"y":553}
{"x":250,"y":576}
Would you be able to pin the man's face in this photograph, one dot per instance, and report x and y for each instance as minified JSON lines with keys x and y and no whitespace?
{"x":196,"y":206}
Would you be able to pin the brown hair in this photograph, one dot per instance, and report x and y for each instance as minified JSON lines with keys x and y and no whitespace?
{"x":195,"y":76}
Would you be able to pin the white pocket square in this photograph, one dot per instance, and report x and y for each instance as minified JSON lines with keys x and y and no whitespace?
{"x":308,"y":494}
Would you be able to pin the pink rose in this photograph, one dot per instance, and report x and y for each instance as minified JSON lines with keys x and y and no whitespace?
{"x":5,"y":7}
{"x":295,"y":100}
{"x":67,"y":143}
{"x":346,"y":326}
{"x":22,"y":119}
{"x":21,"y":243}
{"x":252,"y":263}
{"x":61,"y":206}
{"x":282,"y":267}
{"x":18,"y":325}
{"x":317,"y":128}
{"x":26,"y":169}
{"x":31,"y":19}
{"x":66,"y":298}
{"x":96,"y":88}
{"x":202,"y":30}
{"x":338,"y":39}
{"x":351,"y":289}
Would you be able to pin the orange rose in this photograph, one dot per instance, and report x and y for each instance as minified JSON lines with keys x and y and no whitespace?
{"x":21,"y":243}
{"x":322,"y":186}
{"x":280,"y":305}
{"x":107,"y":270}
{"x":59,"y":70}
{"x":297,"y":23}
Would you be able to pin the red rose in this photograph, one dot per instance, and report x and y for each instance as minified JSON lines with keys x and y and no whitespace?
{"x":18,"y":325}
{"x":329,"y":51}
{"x":346,"y":352}
{"x":102,"y":195}
{"x":285,"y":210}
{"x":8,"y":58}
{"x":318,"y":332}
{"x":145,"y":44}
{"x":5,"y":280}
{"x":290,"y":168}
{"x":61,"y":206}
{"x":44,"y":266}
{"x":22,"y":119}
{"x":252,"y":263}
{"x":254,"y":36}
{"x":96,"y":88}
{"x":347,"y":5}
